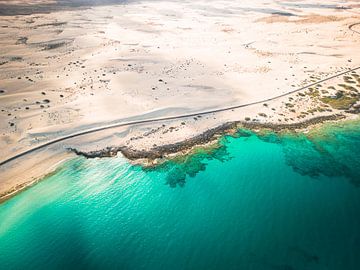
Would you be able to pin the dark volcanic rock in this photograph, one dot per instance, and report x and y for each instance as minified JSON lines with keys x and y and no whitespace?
{"x":160,"y":151}
{"x":207,"y":136}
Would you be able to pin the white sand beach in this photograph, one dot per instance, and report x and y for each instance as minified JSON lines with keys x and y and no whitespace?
{"x":77,"y":69}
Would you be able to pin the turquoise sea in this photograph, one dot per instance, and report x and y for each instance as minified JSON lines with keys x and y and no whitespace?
{"x":257,"y":202}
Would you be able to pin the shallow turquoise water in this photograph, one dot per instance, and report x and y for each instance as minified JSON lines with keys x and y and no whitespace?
{"x":264,"y":202}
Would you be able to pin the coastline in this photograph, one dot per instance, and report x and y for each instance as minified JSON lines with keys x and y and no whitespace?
{"x":179,"y":134}
{"x":28,"y":173}
{"x":158,"y":155}
{"x":152,"y":155}
{"x":97,"y":84}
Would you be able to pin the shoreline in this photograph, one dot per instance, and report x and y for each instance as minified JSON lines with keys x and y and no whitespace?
{"x":210,"y":135}
{"x":96,"y":84}
{"x":160,"y":154}
{"x":197,"y":114}
{"x":50,"y":165}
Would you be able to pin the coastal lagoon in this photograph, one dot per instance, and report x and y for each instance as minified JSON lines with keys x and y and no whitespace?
{"x":254,"y":202}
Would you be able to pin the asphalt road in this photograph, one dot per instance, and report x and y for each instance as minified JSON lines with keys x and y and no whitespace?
{"x":161,"y":119}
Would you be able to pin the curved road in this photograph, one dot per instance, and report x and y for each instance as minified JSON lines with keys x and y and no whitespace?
{"x":351,"y":26}
{"x":154,"y":120}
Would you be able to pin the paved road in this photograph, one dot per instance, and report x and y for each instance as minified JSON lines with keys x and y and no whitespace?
{"x":175,"y":117}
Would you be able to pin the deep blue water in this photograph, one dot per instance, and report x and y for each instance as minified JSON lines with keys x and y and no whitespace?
{"x":256,"y":202}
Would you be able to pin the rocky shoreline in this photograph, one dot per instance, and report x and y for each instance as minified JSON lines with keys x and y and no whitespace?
{"x":206,"y":137}
{"x":150,"y":157}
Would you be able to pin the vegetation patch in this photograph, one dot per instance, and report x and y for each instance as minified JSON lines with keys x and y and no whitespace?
{"x":347,"y":87}
{"x":340,"y":101}
{"x":313,"y":93}
{"x":349,"y":79}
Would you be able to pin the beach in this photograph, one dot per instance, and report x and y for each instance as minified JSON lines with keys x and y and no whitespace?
{"x":117,"y":66}
{"x":204,"y":134}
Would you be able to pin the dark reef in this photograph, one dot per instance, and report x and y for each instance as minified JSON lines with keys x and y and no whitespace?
{"x":201,"y":139}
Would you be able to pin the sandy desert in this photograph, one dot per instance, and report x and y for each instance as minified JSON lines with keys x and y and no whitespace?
{"x":190,"y":66}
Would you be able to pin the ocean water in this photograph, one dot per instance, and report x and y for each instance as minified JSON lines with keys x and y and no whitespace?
{"x":255,"y":202}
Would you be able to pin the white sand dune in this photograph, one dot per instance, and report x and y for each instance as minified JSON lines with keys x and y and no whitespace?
{"x":76,"y":69}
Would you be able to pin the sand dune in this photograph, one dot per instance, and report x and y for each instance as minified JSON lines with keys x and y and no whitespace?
{"x":75,"y":69}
